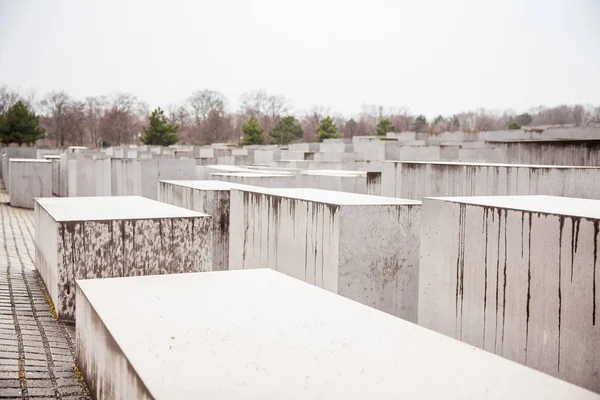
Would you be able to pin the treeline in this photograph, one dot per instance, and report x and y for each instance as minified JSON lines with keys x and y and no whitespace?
{"x":207,"y":117}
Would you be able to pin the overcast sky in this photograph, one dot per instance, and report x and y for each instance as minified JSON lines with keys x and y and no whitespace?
{"x":434,"y":56}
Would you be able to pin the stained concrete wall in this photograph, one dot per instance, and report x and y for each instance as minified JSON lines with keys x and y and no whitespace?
{"x":209,"y":197}
{"x":570,"y":152}
{"x":361,"y":247}
{"x":77,"y":239}
{"x":524,"y":284}
{"x":140,"y":177}
{"x":415,"y":180}
{"x":29,"y":178}
{"x":257,"y":179}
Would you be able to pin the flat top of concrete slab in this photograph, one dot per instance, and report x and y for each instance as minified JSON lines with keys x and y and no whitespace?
{"x":36,"y":160}
{"x":208,"y":184}
{"x":259,"y":334}
{"x":111,"y":208}
{"x":333,"y":172}
{"x":493,"y":164}
{"x":331,"y":197}
{"x":227,"y":168}
{"x":568,"y":206}
{"x":252,"y":174}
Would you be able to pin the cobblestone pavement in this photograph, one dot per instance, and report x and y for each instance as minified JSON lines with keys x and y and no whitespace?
{"x":36,"y":351}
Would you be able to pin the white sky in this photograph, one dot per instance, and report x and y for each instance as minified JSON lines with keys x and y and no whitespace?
{"x":433,"y":56}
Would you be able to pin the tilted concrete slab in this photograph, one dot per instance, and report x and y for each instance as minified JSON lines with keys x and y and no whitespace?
{"x":261,"y":335}
{"x":209,"y":197}
{"x":29,"y":178}
{"x":415,"y":180}
{"x":517,"y":276}
{"x":99,"y":237}
{"x":362,"y":247}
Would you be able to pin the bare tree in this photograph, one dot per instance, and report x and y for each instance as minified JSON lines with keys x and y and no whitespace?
{"x":8,"y":97}
{"x":202,"y":102}
{"x":93,"y":109}
{"x":311,"y":119}
{"x":55,"y":106}
{"x":123,"y":121}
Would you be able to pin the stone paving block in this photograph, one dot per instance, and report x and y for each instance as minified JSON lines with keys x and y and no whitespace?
{"x":518,"y":276}
{"x":99,"y":237}
{"x":286,"y":339}
{"x":359,"y":246}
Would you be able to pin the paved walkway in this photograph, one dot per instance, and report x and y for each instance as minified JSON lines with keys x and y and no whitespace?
{"x":36,"y":351}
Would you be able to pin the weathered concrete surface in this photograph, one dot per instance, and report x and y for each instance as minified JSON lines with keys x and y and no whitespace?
{"x":29,"y":178}
{"x":9,"y":153}
{"x":89,"y":177}
{"x":140,"y":177}
{"x":415,"y":180}
{"x":361,"y":247}
{"x":271,"y":180}
{"x":341,"y":181}
{"x":261,"y":335}
{"x":37,"y":354}
{"x":100,"y":237}
{"x":209,"y":197}
{"x":518,"y":276}
{"x":559,"y":152}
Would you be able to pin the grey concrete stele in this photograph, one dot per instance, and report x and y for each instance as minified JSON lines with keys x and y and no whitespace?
{"x":262,"y":335}
{"x":209,"y":197}
{"x":517,"y":276}
{"x":100,"y":237}
{"x":29,"y":178}
{"x":361,"y":247}
{"x":415,"y":180}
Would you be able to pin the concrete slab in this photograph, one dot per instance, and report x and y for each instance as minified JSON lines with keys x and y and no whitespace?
{"x":516,"y":276}
{"x":342,"y":181}
{"x":29,"y":178}
{"x":362,"y":247}
{"x":99,"y":237}
{"x":209,"y":197}
{"x":271,"y":180}
{"x":415,"y":180}
{"x":261,"y":335}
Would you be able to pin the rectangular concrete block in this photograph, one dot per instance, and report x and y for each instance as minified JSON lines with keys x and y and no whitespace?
{"x":518,"y":276}
{"x":29,"y":178}
{"x":271,"y":180}
{"x":100,"y":237}
{"x":415,"y":180}
{"x":261,"y":335}
{"x":361,"y":247}
{"x":341,"y":181}
{"x":209,"y":197}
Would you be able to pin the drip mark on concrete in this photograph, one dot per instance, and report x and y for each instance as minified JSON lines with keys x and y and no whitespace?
{"x":574,"y":240}
{"x":486,"y":273}
{"x":561,"y":220}
{"x":504,"y":282}
{"x":596,"y":232}
{"x":528,"y":288}
{"x":497,"y":276}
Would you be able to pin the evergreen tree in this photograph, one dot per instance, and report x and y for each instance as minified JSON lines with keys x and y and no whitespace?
{"x":384,"y":126}
{"x":253,"y":132}
{"x":327,"y":130}
{"x":287,"y":130}
{"x":160,"y":132}
{"x":20,"y":126}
